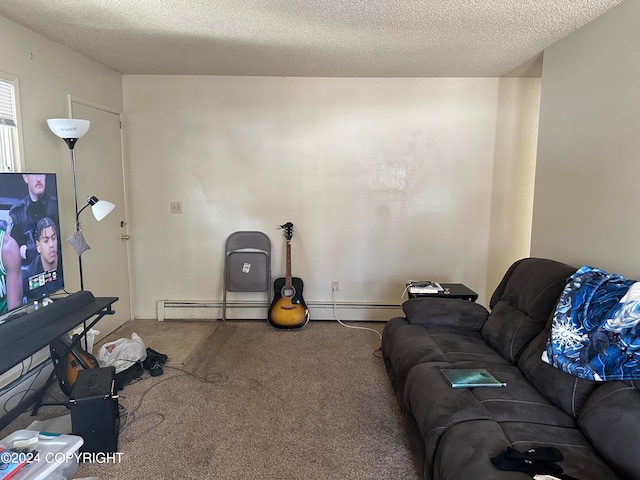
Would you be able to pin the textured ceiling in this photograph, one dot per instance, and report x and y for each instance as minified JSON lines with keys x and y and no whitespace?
{"x":317,"y":38}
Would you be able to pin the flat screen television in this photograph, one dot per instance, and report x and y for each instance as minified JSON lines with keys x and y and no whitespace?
{"x":31,"y":260}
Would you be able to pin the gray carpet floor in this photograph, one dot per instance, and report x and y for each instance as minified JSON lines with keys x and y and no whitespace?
{"x":256,"y":402}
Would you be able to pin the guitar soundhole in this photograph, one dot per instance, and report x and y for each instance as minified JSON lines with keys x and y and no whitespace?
{"x":288,"y":292}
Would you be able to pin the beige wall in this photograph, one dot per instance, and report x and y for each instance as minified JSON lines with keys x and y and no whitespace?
{"x":513,"y":175}
{"x":46,"y":74}
{"x":385,"y":180}
{"x":587,"y":200}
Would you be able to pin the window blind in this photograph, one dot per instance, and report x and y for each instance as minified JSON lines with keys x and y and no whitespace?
{"x":7,"y":106}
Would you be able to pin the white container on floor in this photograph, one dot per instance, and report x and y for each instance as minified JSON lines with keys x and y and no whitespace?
{"x":56,"y":454}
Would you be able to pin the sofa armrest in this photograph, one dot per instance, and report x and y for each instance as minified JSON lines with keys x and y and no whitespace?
{"x":445,"y":312}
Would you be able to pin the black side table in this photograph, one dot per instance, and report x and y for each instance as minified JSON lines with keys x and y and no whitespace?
{"x":451,"y":290}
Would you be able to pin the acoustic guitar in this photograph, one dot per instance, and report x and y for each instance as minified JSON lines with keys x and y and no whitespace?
{"x":288,"y":309}
{"x":68,"y":362}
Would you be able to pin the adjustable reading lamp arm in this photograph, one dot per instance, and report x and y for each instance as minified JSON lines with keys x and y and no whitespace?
{"x":90,"y":202}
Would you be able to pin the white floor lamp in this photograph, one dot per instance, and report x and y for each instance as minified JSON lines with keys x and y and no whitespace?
{"x":70,"y":130}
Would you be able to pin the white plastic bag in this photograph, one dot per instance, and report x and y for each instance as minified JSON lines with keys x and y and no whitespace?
{"x":122,"y":353}
{"x":90,"y":336}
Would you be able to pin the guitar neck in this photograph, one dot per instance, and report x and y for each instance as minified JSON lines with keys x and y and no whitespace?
{"x":288,"y":266}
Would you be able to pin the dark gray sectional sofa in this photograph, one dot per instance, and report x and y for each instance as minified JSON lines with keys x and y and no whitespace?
{"x":454,"y":433}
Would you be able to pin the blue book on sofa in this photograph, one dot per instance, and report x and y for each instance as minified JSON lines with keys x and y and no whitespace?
{"x":471,"y":378}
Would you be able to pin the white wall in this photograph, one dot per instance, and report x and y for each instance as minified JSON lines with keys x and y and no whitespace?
{"x":385,"y":180}
{"x":587,"y":200}
{"x":47,"y":73}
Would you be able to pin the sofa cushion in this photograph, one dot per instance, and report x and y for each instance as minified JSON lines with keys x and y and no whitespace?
{"x":528,"y":296}
{"x":436,"y":406}
{"x":445,"y":312}
{"x":461,"y":346}
{"x":581,"y":460}
{"x":566,"y":391}
{"x":611,"y":421}
{"x":405,"y":345}
{"x":465,"y":451}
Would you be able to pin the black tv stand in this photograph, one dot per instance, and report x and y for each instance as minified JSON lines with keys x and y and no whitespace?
{"x":23,"y":336}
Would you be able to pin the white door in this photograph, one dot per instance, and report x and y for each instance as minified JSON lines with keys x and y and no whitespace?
{"x":100,"y":173}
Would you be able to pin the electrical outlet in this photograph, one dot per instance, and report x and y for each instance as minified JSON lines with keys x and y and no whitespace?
{"x":176,"y":207}
{"x":334,"y":285}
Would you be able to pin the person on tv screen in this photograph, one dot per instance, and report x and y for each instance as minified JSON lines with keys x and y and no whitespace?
{"x":10,"y":273}
{"x":26,"y":213}
{"x":42,"y":275}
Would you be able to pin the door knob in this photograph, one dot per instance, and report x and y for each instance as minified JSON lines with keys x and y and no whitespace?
{"x":124,"y":237}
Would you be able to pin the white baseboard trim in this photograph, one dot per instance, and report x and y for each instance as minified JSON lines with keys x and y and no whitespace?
{"x":248,"y":310}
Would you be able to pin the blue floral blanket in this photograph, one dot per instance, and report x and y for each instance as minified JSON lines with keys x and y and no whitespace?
{"x":595,"y":332}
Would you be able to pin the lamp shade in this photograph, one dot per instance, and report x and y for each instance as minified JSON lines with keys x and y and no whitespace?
{"x":68,"y":127}
{"x":101,"y":209}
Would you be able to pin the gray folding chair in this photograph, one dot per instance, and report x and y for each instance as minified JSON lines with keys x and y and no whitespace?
{"x":247,"y":266}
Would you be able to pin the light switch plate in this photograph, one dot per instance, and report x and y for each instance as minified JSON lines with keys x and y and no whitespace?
{"x":176,"y":207}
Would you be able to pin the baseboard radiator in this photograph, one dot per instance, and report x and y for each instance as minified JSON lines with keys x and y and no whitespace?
{"x":250,"y":310}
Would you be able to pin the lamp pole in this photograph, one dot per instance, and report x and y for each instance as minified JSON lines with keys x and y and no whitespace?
{"x":70,"y":129}
{"x":71,"y":143}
